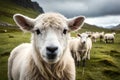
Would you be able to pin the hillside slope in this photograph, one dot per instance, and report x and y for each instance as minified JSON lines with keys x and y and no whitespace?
{"x":10,"y":7}
{"x":117,"y":27}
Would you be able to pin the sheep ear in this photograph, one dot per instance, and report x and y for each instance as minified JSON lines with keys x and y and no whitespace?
{"x":76,"y":23}
{"x":24,"y":22}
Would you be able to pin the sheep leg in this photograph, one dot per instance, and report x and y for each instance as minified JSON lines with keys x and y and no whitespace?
{"x":84,"y":62}
{"x":78,"y":59}
{"x":100,"y":39}
{"x":84,"y":55}
{"x":112,"y":40}
{"x":84,"y":58}
{"x":75,"y":58}
{"x":106,"y":40}
{"x":88,"y":55}
{"x":72,"y":53}
{"x":95,"y":40}
{"x":78,"y":63}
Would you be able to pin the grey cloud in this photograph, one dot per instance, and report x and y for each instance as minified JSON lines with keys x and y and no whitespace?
{"x":89,"y":8}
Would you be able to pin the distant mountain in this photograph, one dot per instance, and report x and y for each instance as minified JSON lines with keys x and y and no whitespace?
{"x":116,"y":27}
{"x":92,"y":28}
{"x":109,"y":27}
{"x":29,"y":4}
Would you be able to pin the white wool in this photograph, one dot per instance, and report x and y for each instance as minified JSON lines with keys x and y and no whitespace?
{"x":77,"y":47}
{"x":29,"y":61}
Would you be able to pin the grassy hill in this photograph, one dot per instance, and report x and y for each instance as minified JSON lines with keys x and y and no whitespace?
{"x":8,"y":8}
{"x":105,"y":58}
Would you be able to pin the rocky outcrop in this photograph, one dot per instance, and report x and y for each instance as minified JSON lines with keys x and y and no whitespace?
{"x":29,"y":4}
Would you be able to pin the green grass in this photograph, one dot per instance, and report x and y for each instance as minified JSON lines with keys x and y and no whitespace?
{"x":14,"y":36}
{"x":104,"y":63}
{"x":7,"y":43}
{"x":105,"y":58}
{"x":8,"y":9}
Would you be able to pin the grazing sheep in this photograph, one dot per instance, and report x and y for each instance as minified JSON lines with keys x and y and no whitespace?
{"x":109,"y":37}
{"x":95,"y":36}
{"x":80,"y":48}
{"x":47,"y":57}
{"x":88,"y":32}
{"x":101,"y":36}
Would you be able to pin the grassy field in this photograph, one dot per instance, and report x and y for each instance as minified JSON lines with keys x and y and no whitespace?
{"x":105,"y":58}
{"x":7,"y":42}
{"x":104,"y":63}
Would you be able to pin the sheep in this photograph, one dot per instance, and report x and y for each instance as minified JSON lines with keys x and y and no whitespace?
{"x":85,"y":47}
{"x":88,"y":32}
{"x":109,"y":37}
{"x":73,"y":45}
{"x":5,"y":31}
{"x":95,"y":36}
{"x":47,"y":57}
{"x":80,"y":48}
{"x":101,"y":36}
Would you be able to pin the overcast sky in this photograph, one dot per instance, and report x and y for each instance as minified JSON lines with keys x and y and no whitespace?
{"x":98,"y":12}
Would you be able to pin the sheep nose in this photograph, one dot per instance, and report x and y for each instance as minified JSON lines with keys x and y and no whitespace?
{"x":52,"y":49}
{"x":51,"y":52}
{"x":83,"y":42}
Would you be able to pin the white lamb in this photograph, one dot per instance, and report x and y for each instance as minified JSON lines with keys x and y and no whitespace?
{"x":109,"y":37}
{"x":47,"y":57}
{"x":80,"y":48}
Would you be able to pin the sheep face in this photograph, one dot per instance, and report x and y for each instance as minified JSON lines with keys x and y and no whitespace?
{"x":51,"y":40}
{"x":83,"y":38}
{"x":50,"y":33}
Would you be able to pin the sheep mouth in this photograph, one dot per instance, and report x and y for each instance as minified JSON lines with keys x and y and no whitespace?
{"x":51,"y":56}
{"x":51,"y":61}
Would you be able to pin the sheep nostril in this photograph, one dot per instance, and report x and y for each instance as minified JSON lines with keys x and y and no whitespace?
{"x":52,"y":49}
{"x":51,"y":52}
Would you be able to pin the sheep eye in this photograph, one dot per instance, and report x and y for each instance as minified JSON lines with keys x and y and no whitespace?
{"x":38,"y":31}
{"x":64,"y":31}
